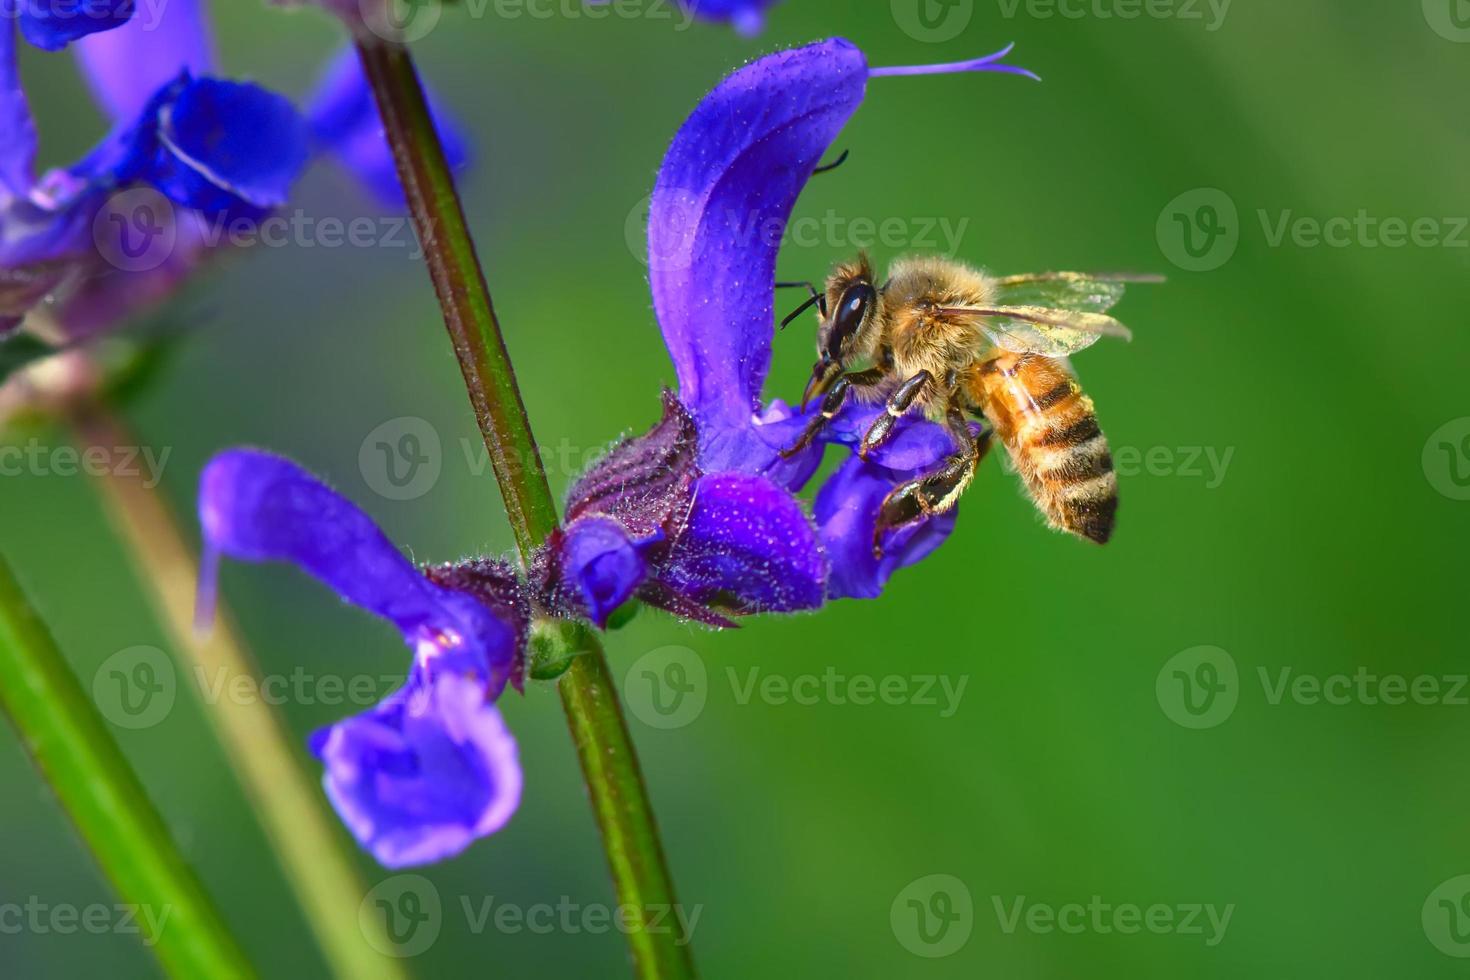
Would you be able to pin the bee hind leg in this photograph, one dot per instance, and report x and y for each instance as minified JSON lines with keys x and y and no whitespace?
{"x":933,"y":493}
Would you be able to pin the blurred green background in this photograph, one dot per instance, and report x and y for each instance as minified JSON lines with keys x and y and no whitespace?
{"x":1294,"y":499}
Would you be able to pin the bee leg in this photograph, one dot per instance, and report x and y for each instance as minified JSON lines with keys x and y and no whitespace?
{"x":832,"y":403}
{"x":936,"y":491}
{"x":899,"y":402}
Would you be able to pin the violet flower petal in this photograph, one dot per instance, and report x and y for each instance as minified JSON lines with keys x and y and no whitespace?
{"x":846,"y":510}
{"x":255,"y":506}
{"x":344,"y":121}
{"x":601,"y":565}
{"x":424,"y":774}
{"x":748,"y":544}
{"x":17,"y":128}
{"x":125,"y":67}
{"x":224,"y":143}
{"x":724,"y":192}
{"x":746,"y":16}
{"x":51,"y":26}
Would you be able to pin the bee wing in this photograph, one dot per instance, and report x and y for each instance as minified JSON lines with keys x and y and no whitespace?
{"x":1041,"y":330}
{"x":1088,"y":292}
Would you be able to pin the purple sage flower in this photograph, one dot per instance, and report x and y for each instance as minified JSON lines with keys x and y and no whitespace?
{"x":738,"y":163}
{"x":431,"y":768}
{"x":52,"y":25}
{"x":746,"y":16}
{"x":647,"y":522}
{"x":215,"y":150}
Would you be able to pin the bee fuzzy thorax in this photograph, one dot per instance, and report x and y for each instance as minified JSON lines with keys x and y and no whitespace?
{"x":921,"y":335}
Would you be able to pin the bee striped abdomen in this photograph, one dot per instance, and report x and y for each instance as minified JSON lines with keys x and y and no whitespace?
{"x":1050,"y":429}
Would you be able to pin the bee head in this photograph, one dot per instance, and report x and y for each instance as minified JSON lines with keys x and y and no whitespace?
{"x":849,"y":332}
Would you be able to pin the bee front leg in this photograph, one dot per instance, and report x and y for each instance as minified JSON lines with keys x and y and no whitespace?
{"x":899,"y":402}
{"x":832,"y":403}
{"x":933,"y":493}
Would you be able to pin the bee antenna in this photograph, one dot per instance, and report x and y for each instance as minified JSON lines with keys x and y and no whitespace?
{"x":829,"y":167}
{"x":811,"y":301}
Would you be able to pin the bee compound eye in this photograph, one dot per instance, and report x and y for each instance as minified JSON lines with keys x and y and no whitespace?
{"x":850,"y":313}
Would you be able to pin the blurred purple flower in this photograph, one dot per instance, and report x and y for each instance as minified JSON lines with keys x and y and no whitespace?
{"x":724,"y":193}
{"x":431,"y":768}
{"x":53,"y":24}
{"x":345,"y":124}
{"x":214,"y":150}
{"x":746,"y":16}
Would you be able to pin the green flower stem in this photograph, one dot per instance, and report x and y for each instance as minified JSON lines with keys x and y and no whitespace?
{"x":71,"y":745}
{"x":594,"y":715}
{"x":307,"y":839}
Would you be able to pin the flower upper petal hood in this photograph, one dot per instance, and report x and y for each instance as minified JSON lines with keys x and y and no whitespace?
{"x":733,"y":172}
{"x":255,"y":506}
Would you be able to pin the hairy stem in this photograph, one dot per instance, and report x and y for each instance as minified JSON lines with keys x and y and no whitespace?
{"x":594,"y":715}
{"x":306,"y":838}
{"x":71,"y":745}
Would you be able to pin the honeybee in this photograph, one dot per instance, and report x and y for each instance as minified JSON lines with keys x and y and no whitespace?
{"x":954,"y":342}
